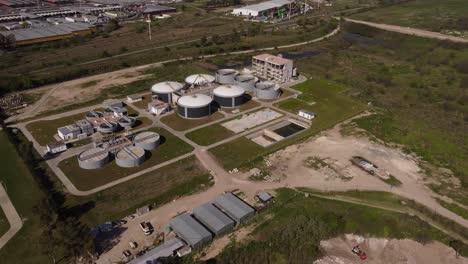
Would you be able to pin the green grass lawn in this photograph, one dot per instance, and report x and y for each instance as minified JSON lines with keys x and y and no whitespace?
{"x":170,"y":148}
{"x":181,"y":124}
{"x":331,"y":108}
{"x":24,"y":194}
{"x":296,"y":224}
{"x":211,"y":134}
{"x":4,"y":225}
{"x":433,"y":15}
{"x":154,"y":188}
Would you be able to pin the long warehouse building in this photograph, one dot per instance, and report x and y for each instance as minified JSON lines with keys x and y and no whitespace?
{"x":215,"y":220}
{"x":234,"y":207}
{"x":192,"y":232}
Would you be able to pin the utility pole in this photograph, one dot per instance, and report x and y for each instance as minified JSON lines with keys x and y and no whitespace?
{"x":149,"y":26}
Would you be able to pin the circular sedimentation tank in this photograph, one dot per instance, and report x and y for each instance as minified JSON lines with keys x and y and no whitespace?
{"x":229,"y":96}
{"x":199,"y":79}
{"x":226,"y":76}
{"x":164,"y":90}
{"x":126,"y":121}
{"x":107,"y":127}
{"x":194,"y":106}
{"x":130,"y":157}
{"x":93,"y":115}
{"x":147,"y":140}
{"x":266,"y":90}
{"x":246,"y":81}
{"x":94,"y":158}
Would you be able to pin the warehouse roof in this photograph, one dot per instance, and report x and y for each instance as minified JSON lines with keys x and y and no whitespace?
{"x":189,"y":229}
{"x":212,"y":217}
{"x":157,"y":8}
{"x":47,"y":31}
{"x":234,"y":205}
{"x":165,"y":250}
{"x":266,"y":5}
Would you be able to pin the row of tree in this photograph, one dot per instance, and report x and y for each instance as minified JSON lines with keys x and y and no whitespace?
{"x":63,"y":237}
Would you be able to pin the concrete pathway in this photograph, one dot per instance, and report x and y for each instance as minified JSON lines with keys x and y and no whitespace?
{"x":11,"y":214}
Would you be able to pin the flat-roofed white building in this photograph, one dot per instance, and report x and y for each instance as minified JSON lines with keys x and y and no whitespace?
{"x":272,"y":67}
{"x":261,"y":8}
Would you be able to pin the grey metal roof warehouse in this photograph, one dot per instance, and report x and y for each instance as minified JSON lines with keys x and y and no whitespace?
{"x":165,"y":250}
{"x":47,"y":31}
{"x":192,"y":232}
{"x":233,"y":206}
{"x":215,"y":220}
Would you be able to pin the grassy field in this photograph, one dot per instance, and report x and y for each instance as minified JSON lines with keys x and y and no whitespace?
{"x":331,"y":107}
{"x":208,"y":135}
{"x":24,"y":194}
{"x":4,"y":225}
{"x":435,"y":15}
{"x":181,"y":124}
{"x":171,"y":147}
{"x":154,"y":188}
{"x":417,"y":87}
{"x":296,"y":224}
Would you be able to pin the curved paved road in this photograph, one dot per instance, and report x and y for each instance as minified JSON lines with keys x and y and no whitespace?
{"x":11,"y":214}
{"x":410,"y":31}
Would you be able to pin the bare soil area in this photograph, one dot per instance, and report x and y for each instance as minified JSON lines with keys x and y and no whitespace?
{"x":384,"y":251}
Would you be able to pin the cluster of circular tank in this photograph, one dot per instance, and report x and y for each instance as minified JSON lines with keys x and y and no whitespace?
{"x":126,"y":121}
{"x":226,"y":76}
{"x":164,"y":90}
{"x":194,"y":106}
{"x":246,"y":81}
{"x":93,"y":115}
{"x":266,"y":90}
{"x":126,"y":157}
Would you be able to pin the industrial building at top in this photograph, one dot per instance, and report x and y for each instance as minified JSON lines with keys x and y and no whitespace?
{"x":272,"y":10}
{"x":203,"y":94}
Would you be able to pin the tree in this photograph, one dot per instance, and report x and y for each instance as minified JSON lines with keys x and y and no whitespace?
{"x":203,"y":41}
{"x":112,"y":25}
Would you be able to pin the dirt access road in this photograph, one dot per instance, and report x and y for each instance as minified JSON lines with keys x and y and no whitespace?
{"x":383,"y":251}
{"x":410,"y":31}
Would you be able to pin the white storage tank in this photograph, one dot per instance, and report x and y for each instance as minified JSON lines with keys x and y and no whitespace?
{"x":130,"y":157}
{"x":164,"y":90}
{"x":199,"y":79}
{"x":229,"y":96}
{"x":246,"y":81}
{"x":147,"y":140}
{"x":194,"y":106}
{"x":267,"y":90}
{"x":94,"y":158}
{"x":107,"y":127}
{"x":226,"y":76}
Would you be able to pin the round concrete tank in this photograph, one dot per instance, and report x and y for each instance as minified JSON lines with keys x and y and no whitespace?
{"x":266,"y":90}
{"x":94,"y":158}
{"x":126,"y":121}
{"x":107,"y":127}
{"x":226,"y":76}
{"x":147,"y":140}
{"x":246,"y":81}
{"x":93,"y":115}
{"x":194,"y":106}
{"x":130,"y":157}
{"x":164,"y":90}
{"x":229,"y":96}
{"x":199,"y":79}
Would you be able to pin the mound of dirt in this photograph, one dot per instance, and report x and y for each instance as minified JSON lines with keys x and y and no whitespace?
{"x":386,"y":251}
